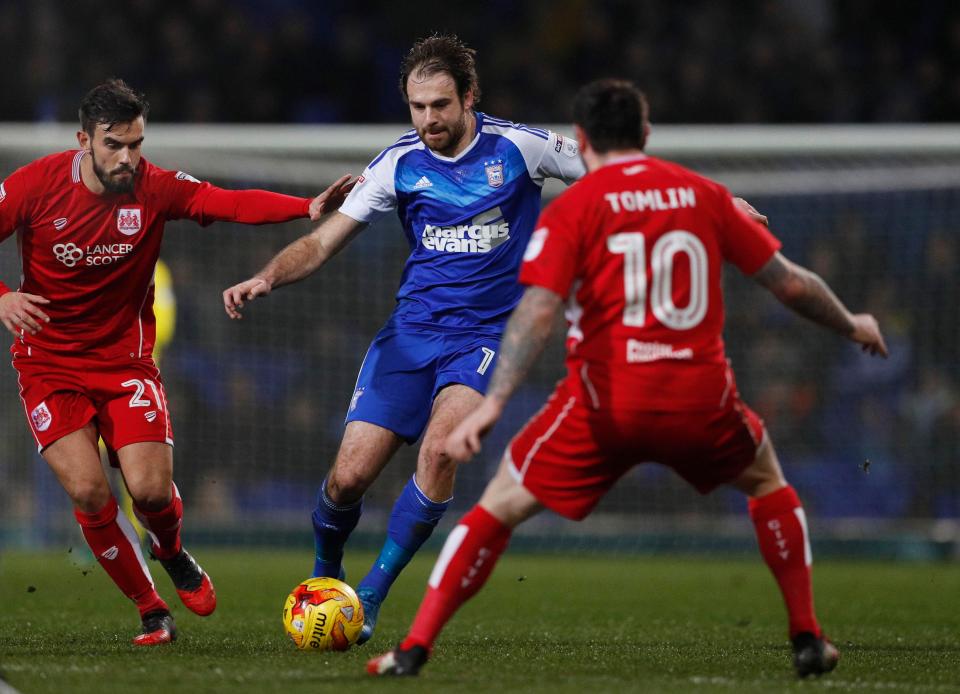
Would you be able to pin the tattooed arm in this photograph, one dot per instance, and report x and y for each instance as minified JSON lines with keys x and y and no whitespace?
{"x":806,"y":293}
{"x":525,"y":337}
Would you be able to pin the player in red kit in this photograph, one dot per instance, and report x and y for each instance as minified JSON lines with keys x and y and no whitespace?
{"x":89,"y":223}
{"x":636,"y":249}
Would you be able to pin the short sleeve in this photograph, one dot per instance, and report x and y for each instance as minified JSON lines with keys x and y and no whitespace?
{"x":552,"y":255}
{"x":13,"y":203}
{"x":561,"y":159}
{"x":745,"y":243}
{"x":370,"y":199}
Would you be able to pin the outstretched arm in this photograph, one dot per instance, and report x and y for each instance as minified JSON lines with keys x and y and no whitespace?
{"x":806,"y":293}
{"x":526,"y":335}
{"x":301,"y":258}
{"x":265,"y":207}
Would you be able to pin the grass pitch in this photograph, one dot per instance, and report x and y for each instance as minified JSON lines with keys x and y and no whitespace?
{"x":543,"y":624}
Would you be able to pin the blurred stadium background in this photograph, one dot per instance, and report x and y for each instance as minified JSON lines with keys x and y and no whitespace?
{"x":866,"y":191}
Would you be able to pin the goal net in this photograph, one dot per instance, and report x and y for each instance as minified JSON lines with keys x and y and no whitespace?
{"x":258,"y":405}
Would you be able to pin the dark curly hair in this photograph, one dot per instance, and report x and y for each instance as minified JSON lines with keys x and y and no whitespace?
{"x":613,"y":114}
{"x":442,"y":53}
{"x":110,"y":103}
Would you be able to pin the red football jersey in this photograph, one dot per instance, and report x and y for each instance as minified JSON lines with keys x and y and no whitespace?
{"x":637,"y":247}
{"x":93,"y":256}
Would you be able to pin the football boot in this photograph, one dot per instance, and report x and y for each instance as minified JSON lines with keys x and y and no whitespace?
{"x":192,"y":583}
{"x":158,"y":628}
{"x":399,"y":662}
{"x":813,"y":655}
{"x":371,"y":601}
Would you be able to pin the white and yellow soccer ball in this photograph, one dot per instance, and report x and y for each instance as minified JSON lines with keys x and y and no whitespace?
{"x":323,"y":614}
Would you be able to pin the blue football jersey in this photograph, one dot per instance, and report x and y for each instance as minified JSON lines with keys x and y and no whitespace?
{"x":467,"y":218}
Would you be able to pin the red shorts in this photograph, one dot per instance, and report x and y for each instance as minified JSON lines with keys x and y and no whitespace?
{"x":60,"y":395}
{"x":570,"y":454}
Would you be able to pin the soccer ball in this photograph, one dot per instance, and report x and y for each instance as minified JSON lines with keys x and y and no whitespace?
{"x":323,"y":614}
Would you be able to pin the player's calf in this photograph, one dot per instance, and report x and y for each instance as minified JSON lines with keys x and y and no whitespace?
{"x":781,"y":529}
{"x":412,"y":521}
{"x":119,"y":556}
{"x":332,"y":525}
{"x":163,"y":517}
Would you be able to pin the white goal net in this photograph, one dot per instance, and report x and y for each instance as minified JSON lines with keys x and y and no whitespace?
{"x":872,"y":446}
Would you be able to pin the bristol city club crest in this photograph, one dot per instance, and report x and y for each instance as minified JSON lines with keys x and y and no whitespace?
{"x":494,"y":171}
{"x":128,"y":220}
{"x":41,"y":417}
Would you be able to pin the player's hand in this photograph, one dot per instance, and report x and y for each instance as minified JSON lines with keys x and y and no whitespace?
{"x":19,"y":311}
{"x":751,"y":211}
{"x":234,"y":297}
{"x":867,"y":333}
{"x":332,"y":197}
{"x":464,"y":442}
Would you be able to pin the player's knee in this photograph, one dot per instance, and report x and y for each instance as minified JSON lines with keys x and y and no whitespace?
{"x":90,"y":497}
{"x":152,"y":499}
{"x":346,"y":486}
{"x":757,"y":481}
{"x":150,"y":492}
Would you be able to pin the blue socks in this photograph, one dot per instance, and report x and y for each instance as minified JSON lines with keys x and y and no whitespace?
{"x":412,"y":521}
{"x":332,"y":525}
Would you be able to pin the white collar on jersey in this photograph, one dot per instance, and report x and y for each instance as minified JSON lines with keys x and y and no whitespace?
{"x":75,"y":166}
{"x":476,"y":138}
{"x":624,"y":159}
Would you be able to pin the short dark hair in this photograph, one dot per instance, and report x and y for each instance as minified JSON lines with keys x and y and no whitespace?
{"x":110,"y":103}
{"x":613,"y":113}
{"x":442,"y":53}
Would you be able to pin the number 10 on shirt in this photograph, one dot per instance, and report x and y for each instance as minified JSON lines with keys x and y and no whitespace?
{"x":632,"y":245}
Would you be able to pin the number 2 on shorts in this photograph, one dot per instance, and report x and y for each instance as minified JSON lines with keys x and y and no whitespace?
{"x":137,"y":399}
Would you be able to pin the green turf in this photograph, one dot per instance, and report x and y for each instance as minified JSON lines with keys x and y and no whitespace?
{"x":546,"y":624}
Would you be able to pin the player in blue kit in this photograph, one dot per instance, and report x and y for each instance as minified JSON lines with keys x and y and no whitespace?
{"x":466,"y":187}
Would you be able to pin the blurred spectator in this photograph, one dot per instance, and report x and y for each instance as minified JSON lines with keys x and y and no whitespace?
{"x":246,"y":422}
{"x":336,"y":61}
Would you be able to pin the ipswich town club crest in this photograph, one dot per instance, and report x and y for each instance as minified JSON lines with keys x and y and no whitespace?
{"x":494,"y":171}
{"x":41,"y":417}
{"x":128,"y":220}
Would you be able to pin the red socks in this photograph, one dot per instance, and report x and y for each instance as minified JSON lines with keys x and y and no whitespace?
{"x":117,"y":548}
{"x":466,"y":562}
{"x":785,"y":545}
{"x":164,"y":526}
{"x":473,"y":547}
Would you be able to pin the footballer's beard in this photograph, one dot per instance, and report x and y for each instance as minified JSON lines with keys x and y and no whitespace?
{"x":454,"y":132}
{"x":111,"y":181}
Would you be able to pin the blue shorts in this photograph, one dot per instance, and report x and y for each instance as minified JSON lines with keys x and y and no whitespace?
{"x":406,"y":366}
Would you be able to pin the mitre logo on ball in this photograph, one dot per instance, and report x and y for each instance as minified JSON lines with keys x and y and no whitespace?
{"x":128,"y":220}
